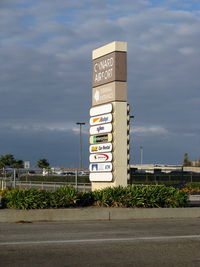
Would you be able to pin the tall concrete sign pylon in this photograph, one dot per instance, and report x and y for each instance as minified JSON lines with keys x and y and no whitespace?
{"x":109,"y":117}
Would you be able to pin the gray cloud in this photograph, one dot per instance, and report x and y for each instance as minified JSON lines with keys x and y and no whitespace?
{"x":45,"y":82}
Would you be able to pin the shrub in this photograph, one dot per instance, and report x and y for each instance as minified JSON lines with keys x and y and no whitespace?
{"x":85,"y":199}
{"x":192,"y":188}
{"x":26,"y":199}
{"x":194,"y":185}
{"x":3,"y":192}
{"x":109,"y":197}
{"x":66,"y":196}
{"x":140,"y":196}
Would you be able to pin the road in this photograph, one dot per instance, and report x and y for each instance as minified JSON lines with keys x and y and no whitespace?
{"x":169,"y":242}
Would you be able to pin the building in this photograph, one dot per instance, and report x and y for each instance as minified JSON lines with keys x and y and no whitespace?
{"x":158,"y":168}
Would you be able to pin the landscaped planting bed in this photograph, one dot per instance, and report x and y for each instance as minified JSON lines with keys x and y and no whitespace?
{"x":68,"y":196}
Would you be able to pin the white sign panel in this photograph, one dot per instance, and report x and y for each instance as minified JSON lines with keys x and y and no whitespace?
{"x":101,"y":138}
{"x":101,"y":119}
{"x":105,"y":128}
{"x":103,"y":109}
{"x":27,"y":164}
{"x":101,"y":157}
{"x":100,"y":167}
{"x":107,"y":147}
{"x":101,"y":176}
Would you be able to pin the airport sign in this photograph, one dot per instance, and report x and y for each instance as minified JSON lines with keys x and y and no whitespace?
{"x":104,"y":128}
{"x":109,"y":68}
{"x":99,"y":110}
{"x":107,"y":147}
{"x":106,"y":118}
{"x":109,"y":92}
{"x":100,"y":167}
{"x":101,"y":138}
{"x":101,"y":176}
{"x":101,"y":157}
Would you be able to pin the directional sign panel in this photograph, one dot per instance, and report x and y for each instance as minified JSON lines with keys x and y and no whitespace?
{"x":101,"y":119}
{"x":103,"y":109}
{"x":107,"y":147}
{"x":104,"y":128}
{"x":100,"y":167}
{"x":101,"y":176}
{"x":101,"y":138}
{"x":101,"y":157}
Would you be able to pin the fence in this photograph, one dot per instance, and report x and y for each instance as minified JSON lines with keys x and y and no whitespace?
{"x":164,"y":178}
{"x":21,"y":178}
{"x":43,"y":185}
{"x":83,"y":184}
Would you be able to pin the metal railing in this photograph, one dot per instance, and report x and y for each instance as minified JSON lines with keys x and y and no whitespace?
{"x":85,"y":185}
{"x":5,"y":183}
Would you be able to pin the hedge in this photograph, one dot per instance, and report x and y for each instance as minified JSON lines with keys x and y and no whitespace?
{"x":68,"y":196}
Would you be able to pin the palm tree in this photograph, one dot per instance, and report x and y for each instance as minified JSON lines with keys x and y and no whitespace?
{"x":43,"y":163}
{"x":10,"y":161}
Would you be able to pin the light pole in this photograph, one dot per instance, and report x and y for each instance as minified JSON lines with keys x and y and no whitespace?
{"x":141,"y":155}
{"x":131,"y":117}
{"x":80,"y":124}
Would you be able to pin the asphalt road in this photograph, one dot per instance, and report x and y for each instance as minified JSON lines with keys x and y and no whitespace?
{"x":123,"y":243}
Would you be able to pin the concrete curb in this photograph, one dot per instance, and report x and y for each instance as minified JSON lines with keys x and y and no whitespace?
{"x":96,"y":214}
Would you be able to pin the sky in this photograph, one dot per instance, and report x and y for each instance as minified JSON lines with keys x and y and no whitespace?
{"x":46,"y":76}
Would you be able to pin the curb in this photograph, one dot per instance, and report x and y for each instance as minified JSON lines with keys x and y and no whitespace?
{"x":96,"y":214}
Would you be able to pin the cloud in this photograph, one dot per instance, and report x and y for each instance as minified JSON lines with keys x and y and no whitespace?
{"x":43,"y":127}
{"x":45,"y":51}
{"x":187,"y":50}
{"x":151,"y":130}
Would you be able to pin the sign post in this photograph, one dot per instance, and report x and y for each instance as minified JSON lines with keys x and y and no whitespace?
{"x":109,"y":130}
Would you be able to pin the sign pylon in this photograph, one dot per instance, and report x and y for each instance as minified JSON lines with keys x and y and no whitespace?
{"x":109,"y":130}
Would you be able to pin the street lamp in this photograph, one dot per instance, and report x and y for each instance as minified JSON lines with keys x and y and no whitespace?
{"x":131,"y":117}
{"x":80,"y":124}
{"x":141,"y":155}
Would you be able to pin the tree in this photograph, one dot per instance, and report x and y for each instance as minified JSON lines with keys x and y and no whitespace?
{"x":7,"y":160}
{"x":43,"y":163}
{"x":10,"y":161}
{"x":186,"y":161}
{"x":18,"y":164}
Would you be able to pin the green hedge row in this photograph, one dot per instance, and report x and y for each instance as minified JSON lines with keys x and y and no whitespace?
{"x":68,"y":196}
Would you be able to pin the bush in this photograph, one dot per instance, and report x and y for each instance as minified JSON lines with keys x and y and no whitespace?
{"x":109,"y":197}
{"x":194,"y":185}
{"x":64,"y":197}
{"x":85,"y":199}
{"x":39,"y":199}
{"x":140,"y":196}
{"x":68,"y":196}
{"x":192,"y":188}
{"x":26,"y":199}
